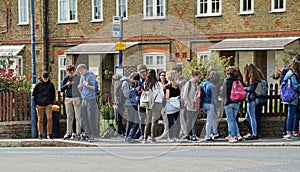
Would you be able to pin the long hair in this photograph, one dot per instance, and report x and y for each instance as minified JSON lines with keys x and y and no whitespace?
{"x":213,"y":76}
{"x":295,"y":68}
{"x":195,"y":73}
{"x":170,"y":75}
{"x":151,"y":79}
{"x":251,"y":74}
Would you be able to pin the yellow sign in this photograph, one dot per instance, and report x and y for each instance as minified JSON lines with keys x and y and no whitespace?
{"x":120,"y":46}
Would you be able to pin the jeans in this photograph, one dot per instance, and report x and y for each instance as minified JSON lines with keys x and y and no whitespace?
{"x":183,"y":120}
{"x":191,"y":121}
{"x":211,"y":119}
{"x":258,"y":112}
{"x":231,"y":111}
{"x":174,"y":124}
{"x":292,"y":121}
{"x":89,"y":117}
{"x":250,"y":116}
{"x":119,"y":121}
{"x":132,"y":121}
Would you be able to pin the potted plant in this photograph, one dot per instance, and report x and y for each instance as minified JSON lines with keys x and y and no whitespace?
{"x":107,"y":74}
{"x":107,"y":109}
{"x":276,"y":74}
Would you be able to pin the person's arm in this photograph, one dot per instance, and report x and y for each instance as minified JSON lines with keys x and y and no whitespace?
{"x":125,"y":89}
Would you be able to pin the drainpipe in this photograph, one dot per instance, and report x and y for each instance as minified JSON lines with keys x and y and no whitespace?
{"x":46,"y":32}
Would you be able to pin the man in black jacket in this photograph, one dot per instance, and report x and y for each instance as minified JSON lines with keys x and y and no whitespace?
{"x":44,"y":97}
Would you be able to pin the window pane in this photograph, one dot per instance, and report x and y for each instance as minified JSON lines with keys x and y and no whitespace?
{"x":63,"y":12}
{"x":203,"y":6}
{"x":149,"y":8}
{"x":160,"y":60}
{"x":97,"y":9}
{"x":215,"y":6}
{"x":72,"y":9}
{"x":160,"y":8}
{"x":149,"y":60}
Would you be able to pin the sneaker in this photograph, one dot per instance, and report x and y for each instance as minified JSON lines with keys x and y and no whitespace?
{"x":153,"y":140}
{"x":83,"y":137}
{"x":252,"y":137}
{"x":232,"y":140}
{"x":228,"y":137}
{"x":239,"y":138}
{"x":91,"y":139}
{"x":215,"y":136}
{"x":67,"y":136}
{"x":208,"y":139}
{"x":40,"y":137}
{"x":49,"y":136}
{"x":195,"y":138}
{"x":247,"y":135}
{"x":185,"y":138}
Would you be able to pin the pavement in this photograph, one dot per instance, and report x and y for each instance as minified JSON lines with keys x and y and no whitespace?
{"x":119,"y":142}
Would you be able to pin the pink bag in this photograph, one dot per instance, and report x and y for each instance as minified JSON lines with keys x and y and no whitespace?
{"x":237,"y":92}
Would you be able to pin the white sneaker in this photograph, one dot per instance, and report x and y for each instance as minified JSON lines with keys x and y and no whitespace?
{"x":228,"y":137}
{"x":232,"y":140}
{"x":247,"y":135}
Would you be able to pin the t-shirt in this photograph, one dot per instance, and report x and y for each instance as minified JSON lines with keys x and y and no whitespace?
{"x":174,"y":92}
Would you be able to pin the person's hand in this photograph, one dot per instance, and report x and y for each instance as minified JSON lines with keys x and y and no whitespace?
{"x":69,"y":83}
{"x":77,"y":102}
{"x":116,"y":107}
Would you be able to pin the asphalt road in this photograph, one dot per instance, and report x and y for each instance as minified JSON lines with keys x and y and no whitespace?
{"x":156,"y":159}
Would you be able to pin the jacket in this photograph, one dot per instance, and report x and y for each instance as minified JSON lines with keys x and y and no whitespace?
{"x":44,"y":93}
{"x":188,"y":95}
{"x":295,"y":86}
{"x":210,"y":93}
{"x":226,"y":89}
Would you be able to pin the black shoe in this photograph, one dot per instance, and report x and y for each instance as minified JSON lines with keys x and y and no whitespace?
{"x":252,"y":137}
{"x":67,"y":136}
{"x":49,"y":136}
{"x":41,"y":136}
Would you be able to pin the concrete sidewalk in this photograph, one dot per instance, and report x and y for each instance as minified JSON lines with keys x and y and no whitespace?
{"x":119,"y":142}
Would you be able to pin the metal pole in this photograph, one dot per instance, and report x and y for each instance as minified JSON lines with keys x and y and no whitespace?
{"x":120,"y":51}
{"x":33,"y":64}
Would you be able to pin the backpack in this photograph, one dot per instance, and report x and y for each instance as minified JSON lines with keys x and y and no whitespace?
{"x":147,"y":99}
{"x":238,"y":92}
{"x":286,"y":90}
{"x":283,"y":72}
{"x":261,"y":89}
{"x":198,"y":98}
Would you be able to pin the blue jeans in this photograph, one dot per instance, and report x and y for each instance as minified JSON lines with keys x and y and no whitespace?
{"x":250,"y":116}
{"x":119,"y":120}
{"x":231,"y":111}
{"x":292,"y":121}
{"x":211,"y":119}
{"x":132,"y":121}
{"x":174,"y":125}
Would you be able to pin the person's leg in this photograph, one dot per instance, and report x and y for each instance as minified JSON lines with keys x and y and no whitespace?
{"x":171,"y":123}
{"x":69,"y":112}
{"x":209,"y":115}
{"x":40,"y":116}
{"x":143,"y":120}
{"x":147,"y":130}
{"x":251,"y":112}
{"x":258,"y":111}
{"x":92,"y":118}
{"x":236,"y":109}
{"x":77,"y":109}
{"x":156,"y":113}
{"x":229,"y":111}
{"x":194,"y":116}
{"x":183,"y":121}
{"x":49,"y":119}
{"x":176,"y":125}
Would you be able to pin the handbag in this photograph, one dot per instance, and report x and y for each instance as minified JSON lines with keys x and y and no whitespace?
{"x":147,"y":100}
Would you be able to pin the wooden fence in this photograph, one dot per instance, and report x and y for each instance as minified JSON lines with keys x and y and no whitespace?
{"x":16,"y":106}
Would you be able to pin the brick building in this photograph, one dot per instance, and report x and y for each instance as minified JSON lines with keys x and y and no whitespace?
{"x":157,"y":33}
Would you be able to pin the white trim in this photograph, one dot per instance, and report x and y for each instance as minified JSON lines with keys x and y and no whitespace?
{"x":251,"y":11}
{"x":26,"y":8}
{"x":126,"y":9}
{"x":273,"y":10}
{"x":154,"y":10}
{"x":154,"y":64}
{"x":209,"y":9}
{"x":61,"y":67}
{"x":67,"y":11}
{"x":93,"y":12}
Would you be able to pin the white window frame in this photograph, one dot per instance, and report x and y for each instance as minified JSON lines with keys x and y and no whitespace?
{"x":94,"y":19}
{"x":154,"y":9}
{"x":273,"y":3}
{"x":202,"y":55}
{"x":67,"y":11}
{"x":119,"y":8}
{"x":62,"y":64}
{"x":154,"y":65}
{"x":23,"y":9}
{"x":209,"y":8}
{"x":247,"y":11}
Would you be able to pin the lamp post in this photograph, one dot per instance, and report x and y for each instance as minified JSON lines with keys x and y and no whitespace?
{"x":33,"y":64}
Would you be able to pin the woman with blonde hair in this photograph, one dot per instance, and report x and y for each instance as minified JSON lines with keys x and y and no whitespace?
{"x":189,"y":92}
{"x":172,"y":108}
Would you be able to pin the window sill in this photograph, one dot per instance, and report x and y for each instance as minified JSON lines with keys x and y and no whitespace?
{"x":154,"y":18}
{"x":246,"y":12}
{"x":209,"y":15}
{"x":96,"y":21}
{"x":278,"y":11}
{"x":23,"y":24}
{"x":67,"y":22}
